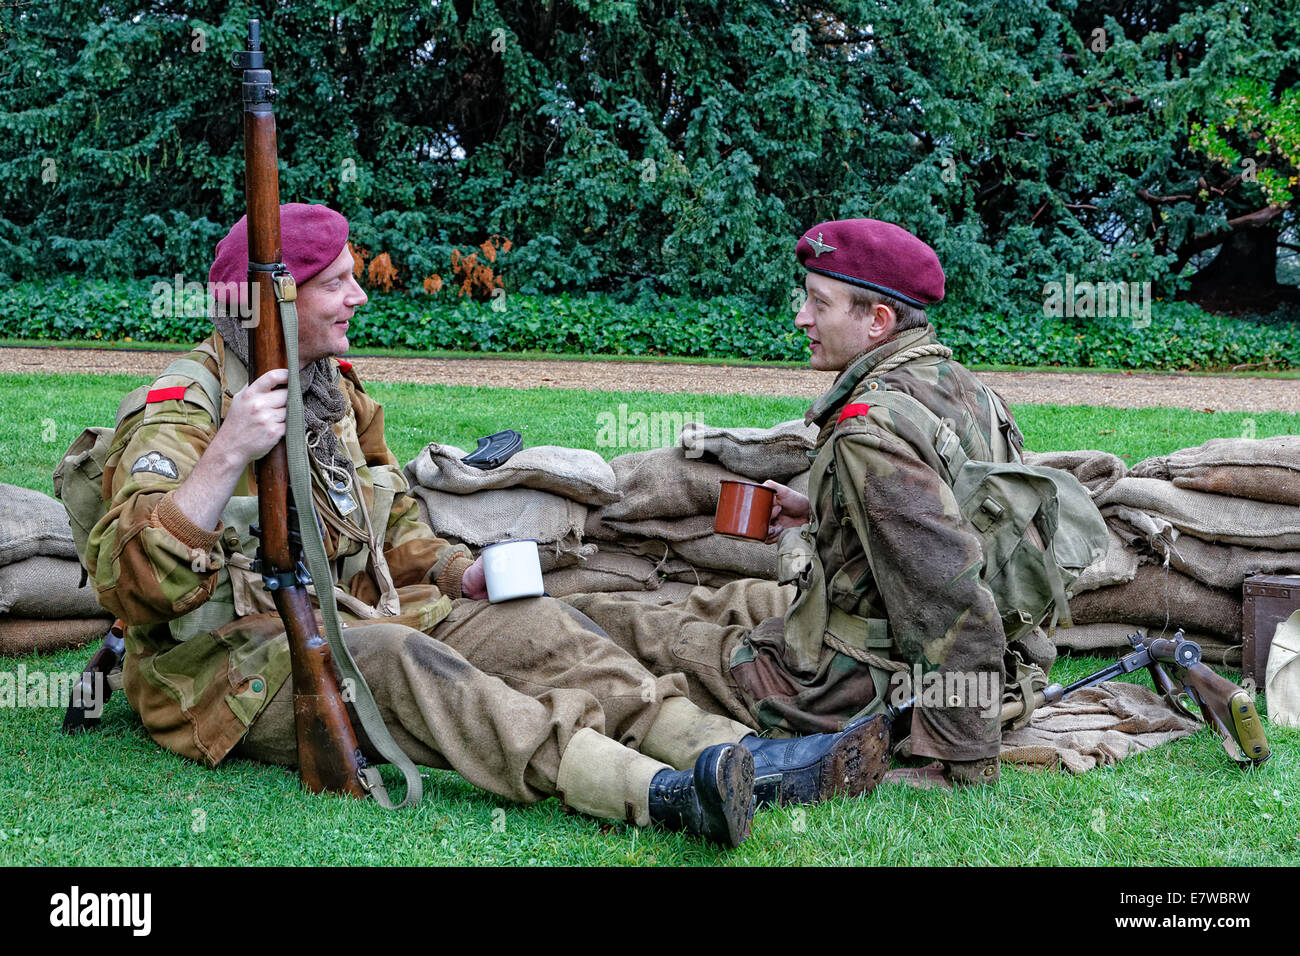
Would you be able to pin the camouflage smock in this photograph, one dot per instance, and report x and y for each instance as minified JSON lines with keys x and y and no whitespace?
{"x":906,"y":587}
{"x":205,"y":650}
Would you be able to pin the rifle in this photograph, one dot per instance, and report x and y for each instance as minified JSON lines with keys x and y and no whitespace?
{"x":92,"y":690}
{"x":1180,"y":677}
{"x":329,"y":759}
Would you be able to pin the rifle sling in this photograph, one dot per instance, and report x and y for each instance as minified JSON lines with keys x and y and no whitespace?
{"x":367,"y":711}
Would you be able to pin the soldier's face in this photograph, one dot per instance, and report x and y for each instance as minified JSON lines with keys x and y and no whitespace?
{"x":326,"y":303}
{"x":836,"y":332}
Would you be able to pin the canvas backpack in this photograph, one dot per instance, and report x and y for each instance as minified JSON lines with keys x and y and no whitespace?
{"x":80,"y":475}
{"x":1038,"y":526}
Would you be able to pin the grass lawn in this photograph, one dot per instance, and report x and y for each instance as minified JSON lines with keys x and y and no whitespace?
{"x":113,"y":797}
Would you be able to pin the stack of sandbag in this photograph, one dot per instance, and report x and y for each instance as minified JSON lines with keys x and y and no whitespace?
{"x":542,"y":493}
{"x":42,"y":605}
{"x":1199,"y":521}
{"x":663,"y":524}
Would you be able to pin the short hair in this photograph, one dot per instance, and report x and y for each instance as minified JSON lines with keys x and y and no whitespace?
{"x":906,"y":316}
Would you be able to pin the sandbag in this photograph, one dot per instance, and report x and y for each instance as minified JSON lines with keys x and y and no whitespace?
{"x":1217,"y":518}
{"x":779,"y":452}
{"x":1098,"y":471}
{"x":490,"y":516}
{"x":1279,"y":485}
{"x":1118,"y":565}
{"x":604,"y":571}
{"x":1107,"y":638}
{"x":1218,"y":565}
{"x":25,"y":635}
{"x":663,"y":484}
{"x":46,"y":587}
{"x":751,"y":559}
{"x":32,"y":523}
{"x":1263,"y":469}
{"x":572,"y":473}
{"x":1161,"y":597}
{"x":659,"y":529}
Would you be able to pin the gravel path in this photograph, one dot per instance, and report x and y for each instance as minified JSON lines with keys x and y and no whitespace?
{"x":1118,"y":390}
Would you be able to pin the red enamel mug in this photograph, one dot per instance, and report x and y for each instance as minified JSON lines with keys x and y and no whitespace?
{"x":743,"y":510}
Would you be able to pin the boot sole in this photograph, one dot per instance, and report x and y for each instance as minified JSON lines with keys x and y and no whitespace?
{"x":727,"y":819}
{"x":858,"y":761}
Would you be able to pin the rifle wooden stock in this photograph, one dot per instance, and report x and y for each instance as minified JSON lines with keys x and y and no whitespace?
{"x":329,"y":759}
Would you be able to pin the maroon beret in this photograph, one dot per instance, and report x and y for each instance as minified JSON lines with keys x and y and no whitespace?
{"x":874,"y":255}
{"x":311,"y":237}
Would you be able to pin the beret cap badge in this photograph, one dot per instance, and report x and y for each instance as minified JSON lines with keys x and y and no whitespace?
{"x":818,"y":246}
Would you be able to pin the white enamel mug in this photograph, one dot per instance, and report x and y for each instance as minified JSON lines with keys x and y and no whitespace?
{"x":513,"y":570}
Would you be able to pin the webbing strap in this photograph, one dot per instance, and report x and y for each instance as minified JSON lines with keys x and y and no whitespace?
{"x":367,"y":711}
{"x":860,"y":632}
{"x":195,"y":370}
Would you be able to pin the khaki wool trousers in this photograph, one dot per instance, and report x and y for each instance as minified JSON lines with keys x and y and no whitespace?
{"x":695,"y":637}
{"x":495,"y":692}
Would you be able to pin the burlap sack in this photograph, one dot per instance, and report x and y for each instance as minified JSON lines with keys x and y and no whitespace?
{"x":661,"y":484}
{"x":1263,"y":469}
{"x":750,"y":559}
{"x":46,"y":587}
{"x":25,"y":635}
{"x":658,"y":529}
{"x":1107,"y":638}
{"x":32,"y":523}
{"x":778,"y":453}
{"x":694,"y":576}
{"x":1118,"y":566}
{"x":1161,"y":597}
{"x":572,"y":473}
{"x":604,"y":571}
{"x":1098,"y":471}
{"x":1216,"y":518}
{"x":489,"y":516}
{"x":1218,"y":565}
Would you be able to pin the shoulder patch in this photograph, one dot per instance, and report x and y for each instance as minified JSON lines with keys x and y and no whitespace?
{"x":852,"y":411}
{"x":346,"y":366}
{"x":156,"y":463}
{"x":165,"y":394}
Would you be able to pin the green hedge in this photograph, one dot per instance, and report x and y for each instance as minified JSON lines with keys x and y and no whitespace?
{"x":1180,"y":336}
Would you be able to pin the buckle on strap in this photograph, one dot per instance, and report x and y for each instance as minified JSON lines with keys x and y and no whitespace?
{"x":864,"y":633}
{"x":286,"y":290}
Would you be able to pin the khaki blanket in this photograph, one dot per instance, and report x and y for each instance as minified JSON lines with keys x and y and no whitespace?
{"x":1095,"y":727}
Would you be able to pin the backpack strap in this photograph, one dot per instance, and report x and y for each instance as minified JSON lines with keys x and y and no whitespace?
{"x":182,"y":373}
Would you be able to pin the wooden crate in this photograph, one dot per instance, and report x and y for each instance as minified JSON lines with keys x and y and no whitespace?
{"x":1266,"y":601}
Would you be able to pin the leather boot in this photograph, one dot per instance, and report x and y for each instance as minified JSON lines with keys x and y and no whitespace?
{"x":810,"y":769}
{"x":973,"y":773}
{"x":714,"y":800}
